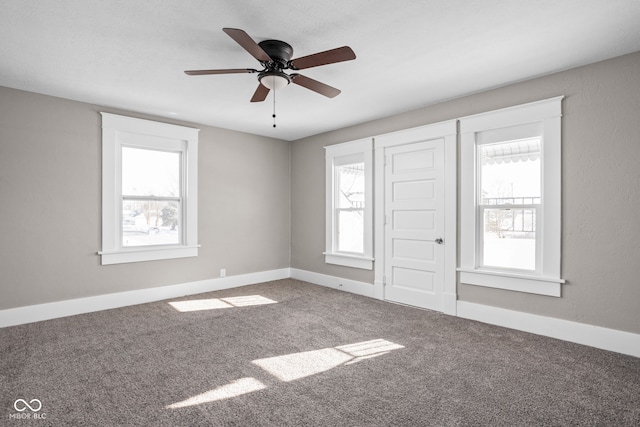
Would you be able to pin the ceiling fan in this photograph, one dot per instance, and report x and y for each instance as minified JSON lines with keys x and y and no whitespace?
{"x":275,"y":57}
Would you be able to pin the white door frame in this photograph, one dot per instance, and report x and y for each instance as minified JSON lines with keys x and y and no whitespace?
{"x":442,"y":130}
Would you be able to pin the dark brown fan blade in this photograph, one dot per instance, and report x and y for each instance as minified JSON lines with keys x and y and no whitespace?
{"x":244,"y":40}
{"x":315,"y":85}
{"x":260,"y":94}
{"x":229,"y":71}
{"x":332,"y":56}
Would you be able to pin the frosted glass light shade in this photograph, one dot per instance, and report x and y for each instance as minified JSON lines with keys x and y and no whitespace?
{"x":274,"y":81}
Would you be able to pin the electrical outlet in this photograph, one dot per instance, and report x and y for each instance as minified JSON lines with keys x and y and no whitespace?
{"x":223,"y":272}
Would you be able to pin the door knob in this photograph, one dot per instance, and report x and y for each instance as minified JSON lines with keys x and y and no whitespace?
{"x":439,"y":241}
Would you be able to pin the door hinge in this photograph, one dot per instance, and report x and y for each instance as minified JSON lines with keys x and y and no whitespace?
{"x":384,"y":280}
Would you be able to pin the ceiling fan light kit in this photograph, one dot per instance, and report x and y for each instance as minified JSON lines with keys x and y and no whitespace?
{"x":274,"y":80}
{"x":275,"y":57}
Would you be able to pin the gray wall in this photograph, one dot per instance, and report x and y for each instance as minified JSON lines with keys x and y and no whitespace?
{"x":50,"y":205}
{"x":600,"y":191}
{"x":252,"y":213}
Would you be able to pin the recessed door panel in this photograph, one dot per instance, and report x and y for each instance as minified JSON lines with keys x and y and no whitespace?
{"x":422,"y":220}
{"x":412,"y":190}
{"x":419,"y":281}
{"x":413,"y":250}
{"x":415,"y":161}
{"x":413,"y":220}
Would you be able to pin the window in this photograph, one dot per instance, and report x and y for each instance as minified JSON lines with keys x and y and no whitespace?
{"x":349,"y":213}
{"x":151,"y":197}
{"x":508,"y":203}
{"x":149,"y":190}
{"x":510,"y":198}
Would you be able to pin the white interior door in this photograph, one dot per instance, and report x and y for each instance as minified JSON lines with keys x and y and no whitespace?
{"x":414,"y":224}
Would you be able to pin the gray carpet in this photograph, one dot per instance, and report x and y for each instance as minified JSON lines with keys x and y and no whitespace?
{"x":300,"y":355}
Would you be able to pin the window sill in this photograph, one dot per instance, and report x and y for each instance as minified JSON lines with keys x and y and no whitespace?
{"x":513,"y":282}
{"x":355,"y":261}
{"x":147,"y":254}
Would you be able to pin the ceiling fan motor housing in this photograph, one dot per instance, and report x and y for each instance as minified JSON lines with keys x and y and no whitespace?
{"x":279,"y":51}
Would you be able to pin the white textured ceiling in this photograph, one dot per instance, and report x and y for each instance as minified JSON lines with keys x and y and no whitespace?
{"x":131,"y":54}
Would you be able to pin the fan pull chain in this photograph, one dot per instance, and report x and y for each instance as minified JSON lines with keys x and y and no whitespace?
{"x":274,"y":108}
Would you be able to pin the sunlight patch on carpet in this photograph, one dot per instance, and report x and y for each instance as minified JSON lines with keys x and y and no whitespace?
{"x":294,"y":366}
{"x":216,"y":303}
{"x":233,"y":389}
{"x":368,"y":349}
{"x":290,"y":367}
{"x":249,"y":300}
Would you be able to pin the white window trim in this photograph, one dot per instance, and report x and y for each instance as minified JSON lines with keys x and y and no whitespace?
{"x":546,"y":280}
{"x":332,"y":256}
{"x":117,"y":128}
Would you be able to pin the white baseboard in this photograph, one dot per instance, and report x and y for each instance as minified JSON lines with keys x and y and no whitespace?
{"x":53,"y":310}
{"x":353,"y":286}
{"x":580,"y":333}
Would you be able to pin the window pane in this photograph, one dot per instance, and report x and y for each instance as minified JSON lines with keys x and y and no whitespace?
{"x":150,"y":222}
{"x":350,"y":229}
{"x":150,"y":172}
{"x":509,"y":238}
{"x":350,"y":184}
{"x":350,"y":205}
{"x":510,"y":176}
{"x":510,"y":172}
